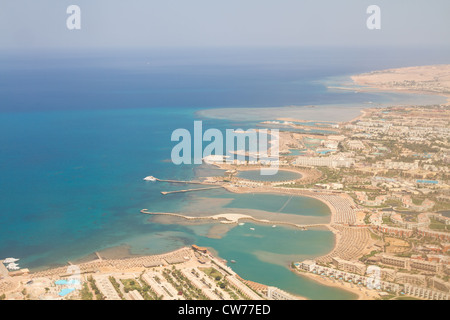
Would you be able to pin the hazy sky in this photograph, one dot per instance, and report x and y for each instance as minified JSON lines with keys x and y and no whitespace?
{"x":28,"y":24}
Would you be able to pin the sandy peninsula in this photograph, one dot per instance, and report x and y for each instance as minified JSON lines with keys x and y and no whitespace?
{"x":432,"y":79}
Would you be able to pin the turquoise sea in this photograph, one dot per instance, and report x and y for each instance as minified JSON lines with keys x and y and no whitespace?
{"x":79,"y":132}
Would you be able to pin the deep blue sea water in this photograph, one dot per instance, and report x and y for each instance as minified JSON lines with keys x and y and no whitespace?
{"x":79,"y":131}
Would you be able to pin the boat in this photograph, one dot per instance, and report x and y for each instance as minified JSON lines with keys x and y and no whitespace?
{"x":274,"y":226}
{"x":233,"y":261}
{"x":241,"y":224}
{"x":150,"y":178}
{"x":252,"y":228}
{"x":10,"y":260}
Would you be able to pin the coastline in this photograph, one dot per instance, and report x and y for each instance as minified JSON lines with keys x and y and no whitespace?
{"x":338,"y":225}
{"x":188,"y":260}
{"x":361,"y":293}
{"x":102,"y":263}
{"x":333,"y":210}
{"x":338,"y":232}
{"x":380,"y":89}
{"x":339,"y":238}
{"x":126,"y":264}
{"x":432,"y":80}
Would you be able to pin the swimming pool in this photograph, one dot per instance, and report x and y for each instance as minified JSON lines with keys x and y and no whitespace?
{"x":65,"y":291}
{"x":64,"y":282}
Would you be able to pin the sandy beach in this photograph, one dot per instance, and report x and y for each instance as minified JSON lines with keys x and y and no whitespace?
{"x":361,"y":292}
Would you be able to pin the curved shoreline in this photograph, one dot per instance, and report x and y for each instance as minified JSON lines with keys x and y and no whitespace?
{"x":361,"y":295}
{"x":226,"y":218}
{"x":344,"y":235}
{"x":341,"y":224}
{"x":290,"y":191}
{"x":307,"y":175}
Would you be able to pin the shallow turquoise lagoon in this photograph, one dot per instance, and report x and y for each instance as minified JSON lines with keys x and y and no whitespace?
{"x":264,"y":255}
